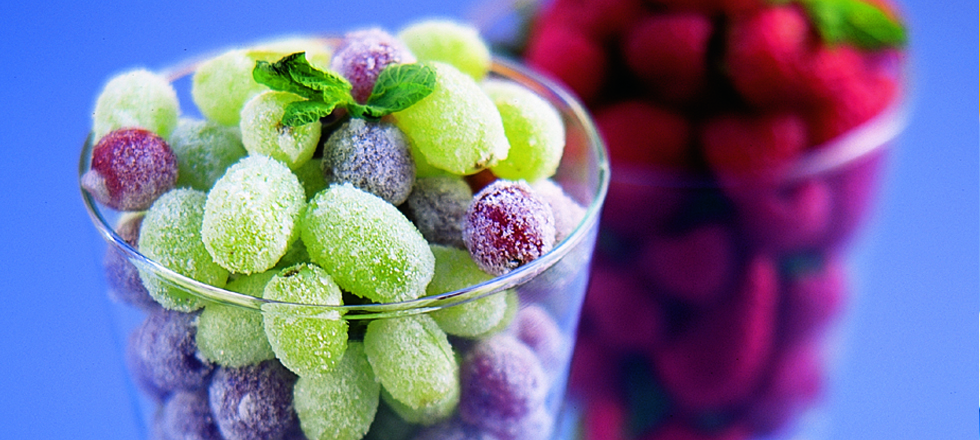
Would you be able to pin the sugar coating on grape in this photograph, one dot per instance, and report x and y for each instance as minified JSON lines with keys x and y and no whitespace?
{"x":425,"y":415}
{"x":502,"y":384}
{"x":567,"y":212}
{"x":534,"y":130}
{"x":451,"y":42}
{"x":130,"y":168}
{"x":309,"y":340}
{"x":263,"y":132}
{"x":366,"y":245}
{"x":162,"y":355}
{"x":234,"y":336}
{"x":456,"y":127}
{"x":251,"y":213}
{"x":222,"y":85}
{"x":186,"y":415}
{"x":363,"y":54}
{"x":253,"y":402}
{"x":507,"y":226}
{"x":437,"y":206}
{"x":204,"y":150}
{"x":339,"y":404}
{"x":456,"y":270}
{"x":412,"y":358}
{"x":536,"y":328}
{"x":171,"y":236}
{"x":371,"y":155}
{"x":125,"y":285}
{"x":136,"y":99}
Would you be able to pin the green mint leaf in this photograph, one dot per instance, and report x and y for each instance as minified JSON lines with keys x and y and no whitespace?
{"x":856,"y":22}
{"x":366,"y":111}
{"x":276,"y":77}
{"x":399,"y":86}
{"x":333,"y":86}
{"x":304,"y":112}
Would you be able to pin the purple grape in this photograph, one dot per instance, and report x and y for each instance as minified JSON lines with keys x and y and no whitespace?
{"x":186,"y":416}
{"x":453,"y":430}
{"x":508,"y":225}
{"x":253,"y":402}
{"x":502,"y":387}
{"x":437,"y":206}
{"x":162,"y":354}
{"x":125,"y":285}
{"x":130,"y":168}
{"x":372,"y":156}
{"x":537,"y":329}
{"x":364,"y":54}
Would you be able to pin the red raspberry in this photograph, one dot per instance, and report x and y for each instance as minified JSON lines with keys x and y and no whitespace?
{"x":641,"y":134}
{"x":857,"y":102}
{"x":854,"y":187}
{"x":669,"y":54}
{"x":621,"y":310}
{"x":766,"y":56}
{"x":720,"y":357}
{"x":599,"y":19}
{"x":727,"y":7}
{"x":593,"y":371}
{"x":604,"y":419}
{"x":638,"y":204}
{"x":789,"y":217}
{"x":814,"y":295}
{"x":744,"y":148}
{"x":673,"y":430}
{"x":795,"y":383}
{"x":696,"y":267}
{"x":571,"y":57}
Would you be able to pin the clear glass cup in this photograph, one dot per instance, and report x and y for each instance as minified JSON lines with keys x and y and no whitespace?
{"x":543,"y":300}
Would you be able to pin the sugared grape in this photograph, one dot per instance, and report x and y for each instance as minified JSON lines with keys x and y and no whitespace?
{"x":250,"y":214}
{"x":457,"y":127}
{"x":451,"y":42}
{"x":186,"y":416}
{"x":162,"y":355}
{"x":534,"y":130}
{"x":366,"y":245}
{"x":456,"y":270}
{"x":234,"y":336}
{"x":131,"y":167}
{"x":309,"y":340}
{"x":222,"y":85}
{"x":204,"y":150}
{"x":507,"y":226}
{"x":372,"y":156}
{"x":136,"y":99}
{"x":425,"y":415}
{"x":171,"y":235}
{"x":437,"y":206}
{"x":253,"y":402}
{"x":364,"y":54}
{"x":568,"y":213}
{"x":413,"y":360}
{"x":339,"y":404}
{"x":503,"y":386}
{"x":263,"y":131}
{"x":538,"y":330}
{"x":121,"y":275}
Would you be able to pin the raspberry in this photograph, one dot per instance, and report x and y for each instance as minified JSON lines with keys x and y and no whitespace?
{"x":604,"y":419}
{"x":720,"y":358}
{"x":796,"y":381}
{"x":742,"y":148}
{"x":571,"y":57}
{"x":679,"y":431}
{"x":669,"y":54}
{"x":853,"y":188}
{"x":623,"y":313}
{"x":695,"y":267}
{"x":639,"y":133}
{"x":814,"y":294}
{"x":599,"y":19}
{"x":766,"y":56}
{"x":791,"y":217}
{"x":857,"y":102}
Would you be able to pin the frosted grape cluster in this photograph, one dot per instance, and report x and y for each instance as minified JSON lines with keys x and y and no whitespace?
{"x":371,"y":202}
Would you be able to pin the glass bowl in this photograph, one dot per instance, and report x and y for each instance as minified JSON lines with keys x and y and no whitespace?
{"x":543,"y":301}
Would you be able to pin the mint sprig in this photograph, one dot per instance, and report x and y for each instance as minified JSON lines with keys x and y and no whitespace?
{"x":398,"y":87}
{"x":857,"y":22}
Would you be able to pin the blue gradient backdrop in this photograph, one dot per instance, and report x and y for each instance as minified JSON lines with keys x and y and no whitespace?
{"x":904,"y":371}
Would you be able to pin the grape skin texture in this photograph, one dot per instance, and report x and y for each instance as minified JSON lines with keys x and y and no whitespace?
{"x":450,"y":42}
{"x":339,"y":404}
{"x":372,"y":156}
{"x":204,"y":150}
{"x":263,"y":132}
{"x":437,"y":206}
{"x":234,"y":336}
{"x":363,"y":55}
{"x":456,"y":270}
{"x":186,"y":416}
{"x":253,"y":402}
{"x":534,"y":130}
{"x":130,"y":168}
{"x":162,"y":355}
{"x":136,"y":99}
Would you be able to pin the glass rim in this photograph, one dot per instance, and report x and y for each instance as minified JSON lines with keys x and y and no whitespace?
{"x":503,"y":67}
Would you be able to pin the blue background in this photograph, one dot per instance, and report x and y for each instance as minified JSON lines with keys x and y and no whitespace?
{"x":905,"y":370}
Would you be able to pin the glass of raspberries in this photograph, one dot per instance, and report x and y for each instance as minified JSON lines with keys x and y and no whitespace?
{"x":747,"y":138}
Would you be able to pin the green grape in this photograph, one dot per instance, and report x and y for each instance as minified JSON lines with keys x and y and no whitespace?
{"x":534,"y":130}
{"x":171,"y":235}
{"x":310,"y":176}
{"x":137,"y":98}
{"x":457,"y":127}
{"x":222,"y":85}
{"x":204,"y":150}
{"x":309,"y":340}
{"x":426,"y":415}
{"x":451,"y":42}
{"x":234,"y":336}
{"x":456,"y":270}
{"x":366,"y":244}
{"x":263,"y":132}
{"x":339,"y":404}
{"x":413,"y":360}
{"x":250,"y":215}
